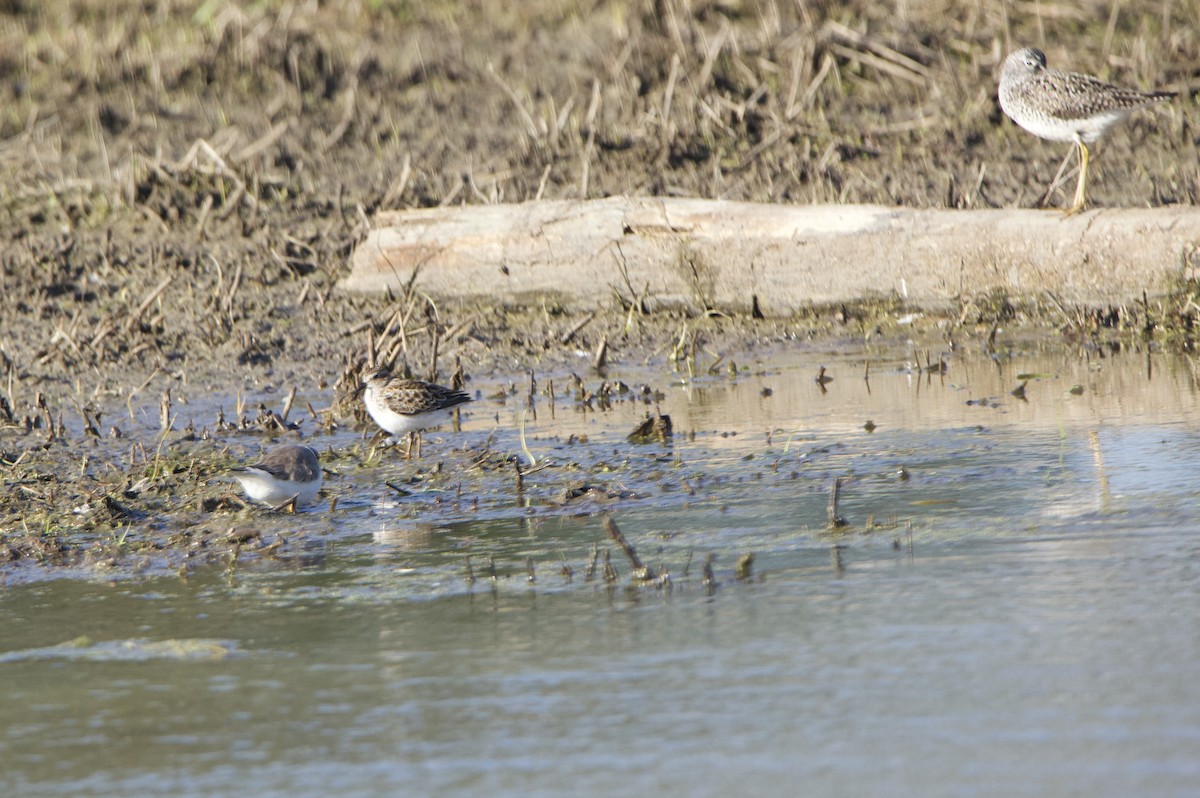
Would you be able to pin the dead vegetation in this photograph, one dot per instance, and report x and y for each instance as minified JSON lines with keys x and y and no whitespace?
{"x":180,"y":182}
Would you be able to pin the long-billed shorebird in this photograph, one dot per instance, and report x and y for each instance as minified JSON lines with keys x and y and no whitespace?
{"x":1066,"y":106}
{"x":405,"y":407}
{"x":283,"y":473}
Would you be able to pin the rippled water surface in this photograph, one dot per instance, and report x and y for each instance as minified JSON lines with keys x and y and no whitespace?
{"x":1012,"y":609}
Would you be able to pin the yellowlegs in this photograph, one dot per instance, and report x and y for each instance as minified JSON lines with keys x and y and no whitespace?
{"x":1066,"y":106}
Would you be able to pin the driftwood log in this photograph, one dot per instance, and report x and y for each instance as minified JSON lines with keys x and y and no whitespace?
{"x":776,"y":258}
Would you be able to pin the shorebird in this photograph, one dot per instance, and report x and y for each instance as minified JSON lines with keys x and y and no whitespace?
{"x":283,"y":473}
{"x":1066,"y":106}
{"x":405,"y":407}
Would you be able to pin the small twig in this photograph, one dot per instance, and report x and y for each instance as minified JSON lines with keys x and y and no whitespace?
{"x":589,"y":146}
{"x":148,"y":301}
{"x":530,"y":126}
{"x":601,"y":358}
{"x":710,"y":579}
{"x":287,"y":405}
{"x":234,"y":285}
{"x":641,"y":571}
{"x":571,"y":333}
{"x":835,"y":496}
{"x":668,"y":95}
{"x":590,"y":573}
{"x":433,"y":358}
{"x":610,"y":572}
{"x":164,"y":410}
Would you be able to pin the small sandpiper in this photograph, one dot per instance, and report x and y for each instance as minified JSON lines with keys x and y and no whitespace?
{"x":283,"y":473}
{"x":1066,"y":106}
{"x":405,"y":407}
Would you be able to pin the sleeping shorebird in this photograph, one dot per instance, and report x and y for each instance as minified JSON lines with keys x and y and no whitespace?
{"x":405,"y":407}
{"x":283,"y":473}
{"x":1066,"y":106}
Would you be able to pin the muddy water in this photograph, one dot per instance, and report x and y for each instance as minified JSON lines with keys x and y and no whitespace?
{"x":1010,"y":611}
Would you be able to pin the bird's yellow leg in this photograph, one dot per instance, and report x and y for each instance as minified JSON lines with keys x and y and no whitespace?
{"x":1081,"y":189}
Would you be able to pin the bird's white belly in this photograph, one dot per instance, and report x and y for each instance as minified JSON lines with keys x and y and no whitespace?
{"x":1088,"y":129}
{"x":399,"y":424}
{"x":262,"y":487}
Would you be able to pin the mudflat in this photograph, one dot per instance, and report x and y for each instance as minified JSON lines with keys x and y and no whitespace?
{"x":182,"y":186}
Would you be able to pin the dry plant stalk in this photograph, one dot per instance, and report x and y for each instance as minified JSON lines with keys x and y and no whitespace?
{"x":164,"y":410}
{"x":641,"y":571}
{"x":835,"y":497}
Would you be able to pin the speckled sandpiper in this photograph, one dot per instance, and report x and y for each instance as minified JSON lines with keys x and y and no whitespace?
{"x":405,"y":407}
{"x":1066,"y":106}
{"x":282,"y":473}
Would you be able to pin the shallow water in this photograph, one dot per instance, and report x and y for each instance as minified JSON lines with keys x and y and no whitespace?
{"x":1015,"y":614}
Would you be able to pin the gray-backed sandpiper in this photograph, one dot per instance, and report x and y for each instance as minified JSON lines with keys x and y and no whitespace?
{"x":282,"y":473}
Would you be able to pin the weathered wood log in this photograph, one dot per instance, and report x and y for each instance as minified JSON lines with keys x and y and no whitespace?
{"x":782,"y":258}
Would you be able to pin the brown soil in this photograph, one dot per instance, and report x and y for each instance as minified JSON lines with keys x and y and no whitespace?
{"x":182,"y":183}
